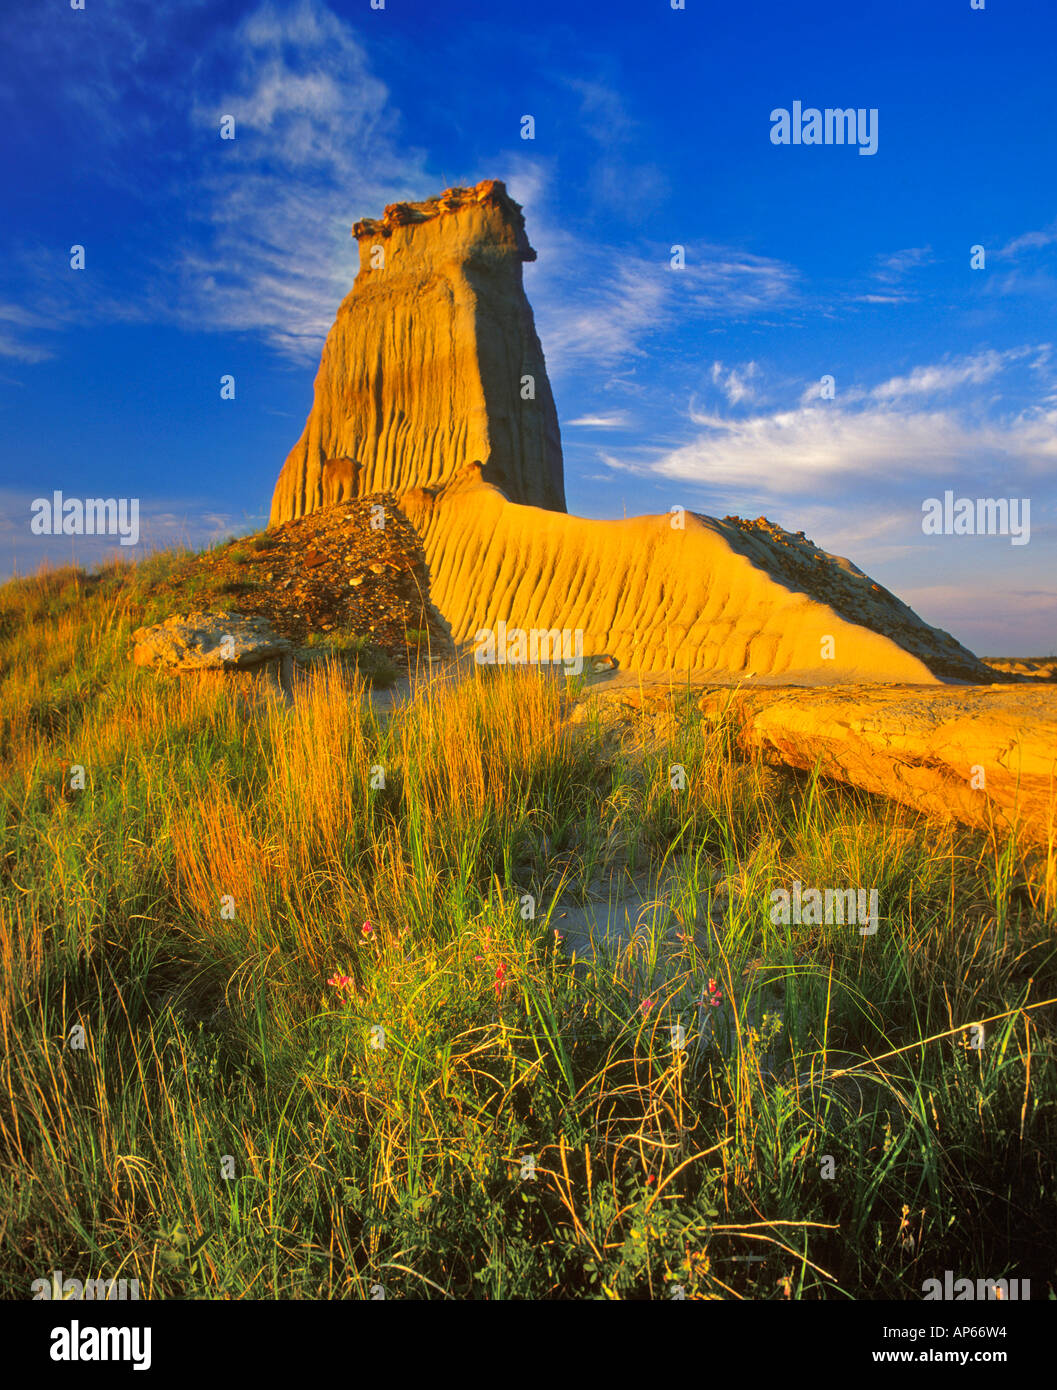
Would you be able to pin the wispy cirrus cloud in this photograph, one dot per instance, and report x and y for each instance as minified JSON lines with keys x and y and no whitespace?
{"x":951,"y":374}
{"x":255,"y":231}
{"x":317,"y":146}
{"x":20,"y":331}
{"x":605,"y":304}
{"x":1030,"y":241}
{"x":734,"y":382}
{"x":895,"y":265}
{"x":617,"y":420}
{"x":890,"y":274}
{"x":785,"y":452}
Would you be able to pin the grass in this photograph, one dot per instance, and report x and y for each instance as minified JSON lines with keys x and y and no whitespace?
{"x":465,"y":1113}
{"x":372,"y":664}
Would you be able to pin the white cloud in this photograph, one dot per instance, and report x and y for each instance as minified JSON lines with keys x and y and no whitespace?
{"x":883,"y":298}
{"x":734,"y":383}
{"x":317,"y":146}
{"x":870,"y":440}
{"x":602,"y":305}
{"x":827,"y":445}
{"x":938,"y":378}
{"x":602,"y":110}
{"x":792,"y":449}
{"x":618,"y":420}
{"x":269,"y":249}
{"x":896,"y":264}
{"x":1031,"y":241}
{"x":19,"y":329}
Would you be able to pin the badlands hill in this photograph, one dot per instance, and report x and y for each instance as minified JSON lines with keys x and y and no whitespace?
{"x":432,"y":385}
{"x":681,"y":593}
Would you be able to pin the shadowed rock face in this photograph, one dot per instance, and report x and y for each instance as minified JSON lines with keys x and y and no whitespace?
{"x":341,"y":478}
{"x":424,"y":369}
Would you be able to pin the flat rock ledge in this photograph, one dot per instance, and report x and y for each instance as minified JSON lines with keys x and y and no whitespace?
{"x":215,"y":641}
{"x":982,"y":755}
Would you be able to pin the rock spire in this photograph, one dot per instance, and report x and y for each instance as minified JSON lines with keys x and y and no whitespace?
{"x":432,"y":363}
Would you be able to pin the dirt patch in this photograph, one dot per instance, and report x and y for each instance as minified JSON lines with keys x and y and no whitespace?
{"x":356,"y":569}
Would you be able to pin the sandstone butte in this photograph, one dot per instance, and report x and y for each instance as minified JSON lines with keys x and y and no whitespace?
{"x":428,"y":361}
{"x":420,"y":392}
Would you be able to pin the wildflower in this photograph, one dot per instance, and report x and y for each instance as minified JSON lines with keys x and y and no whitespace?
{"x":478,"y":957}
{"x":646,"y":1005}
{"x":650,"y":1179}
{"x":340,"y":981}
{"x":366,"y":929}
{"x":715,"y":997}
{"x":500,"y":979}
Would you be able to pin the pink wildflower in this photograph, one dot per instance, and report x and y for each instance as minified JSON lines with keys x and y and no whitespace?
{"x":340,"y":981}
{"x":500,"y":979}
{"x":366,"y":929}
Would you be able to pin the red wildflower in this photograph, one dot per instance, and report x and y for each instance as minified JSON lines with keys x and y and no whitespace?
{"x":500,"y":979}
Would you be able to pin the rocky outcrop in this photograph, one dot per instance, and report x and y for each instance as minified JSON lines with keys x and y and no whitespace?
{"x":350,"y":578}
{"x":208,"y":642}
{"x":981,"y":756}
{"x":1031,"y":668}
{"x":713,"y":599}
{"x":433,"y":362}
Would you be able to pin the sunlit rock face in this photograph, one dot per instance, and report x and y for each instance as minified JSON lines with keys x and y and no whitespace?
{"x":432,"y":363}
{"x":709,"y":599}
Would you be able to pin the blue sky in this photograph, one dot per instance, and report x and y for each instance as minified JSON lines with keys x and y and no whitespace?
{"x":698,"y":386}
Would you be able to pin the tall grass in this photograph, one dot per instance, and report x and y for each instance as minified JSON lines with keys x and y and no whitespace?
{"x":467,"y":1113}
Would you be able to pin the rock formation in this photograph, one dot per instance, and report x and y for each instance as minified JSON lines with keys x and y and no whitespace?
{"x":341,"y":481}
{"x":433,"y":361}
{"x":213,"y":641}
{"x":710,"y":599}
{"x":420,"y":393}
{"x":981,"y":756}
